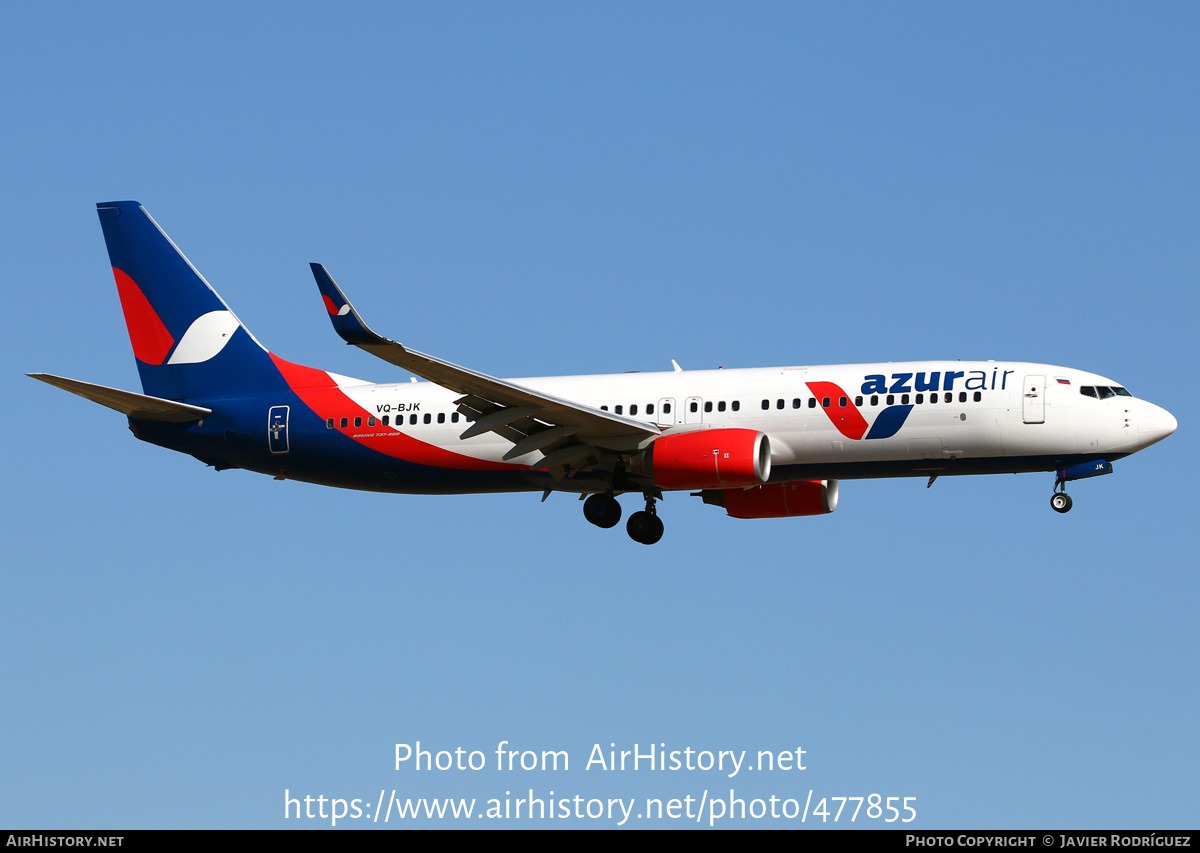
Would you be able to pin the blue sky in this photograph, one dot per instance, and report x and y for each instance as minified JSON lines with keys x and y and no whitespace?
{"x":533,"y":189}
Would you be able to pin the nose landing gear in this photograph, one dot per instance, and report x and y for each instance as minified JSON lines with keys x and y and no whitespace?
{"x":1060,"y":502}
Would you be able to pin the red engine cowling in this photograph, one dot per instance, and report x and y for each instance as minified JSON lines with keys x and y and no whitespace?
{"x":781,"y":500}
{"x":707,"y":459}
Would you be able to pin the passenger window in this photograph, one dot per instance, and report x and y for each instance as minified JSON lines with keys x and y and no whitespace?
{"x":824,"y":402}
{"x":428,"y":417}
{"x":441,"y":417}
{"x":358,"y":422}
{"x":329,"y":424}
{"x":737,"y":404}
{"x":708,"y":406}
{"x":812,"y":402}
{"x":842,"y":401}
{"x":412,"y":419}
{"x":633,"y":409}
{"x":779,"y":403}
{"x":371,"y":421}
{"x":666,"y":408}
{"x":766,"y":405}
{"x":649,"y":408}
{"x":620,"y":410}
{"x":345,"y":423}
{"x":891,"y":399}
{"x":721,"y":406}
{"x":454,"y":418}
{"x":796,"y":402}
{"x":949,"y":398}
{"x":858,"y":401}
{"x":904,"y":399}
{"x":920,"y":399}
{"x":874,"y":399}
{"x":385,"y":420}
{"x":694,"y":406}
{"x":962,"y":396}
{"x":933,"y":398}
{"x":978,"y":396}
{"x":604,"y":408}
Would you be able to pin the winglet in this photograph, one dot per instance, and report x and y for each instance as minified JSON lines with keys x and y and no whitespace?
{"x":346,"y":322}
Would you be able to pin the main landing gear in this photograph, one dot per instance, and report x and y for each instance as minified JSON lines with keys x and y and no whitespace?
{"x":643,"y":526}
{"x":602,"y":510}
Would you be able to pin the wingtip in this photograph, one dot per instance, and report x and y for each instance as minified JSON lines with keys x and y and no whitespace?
{"x":346,"y":321}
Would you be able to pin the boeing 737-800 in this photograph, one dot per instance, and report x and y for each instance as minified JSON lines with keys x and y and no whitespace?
{"x":761,"y":443}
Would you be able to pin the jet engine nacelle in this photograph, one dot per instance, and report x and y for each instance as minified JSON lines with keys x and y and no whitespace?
{"x":778,"y":500}
{"x":707,"y":459}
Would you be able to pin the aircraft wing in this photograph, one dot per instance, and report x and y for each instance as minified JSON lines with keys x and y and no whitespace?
{"x":569,"y":434}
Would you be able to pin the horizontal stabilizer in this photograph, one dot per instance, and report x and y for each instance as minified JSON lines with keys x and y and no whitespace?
{"x":128,"y":403}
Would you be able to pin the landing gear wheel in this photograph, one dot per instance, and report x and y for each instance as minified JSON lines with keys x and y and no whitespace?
{"x":1060,"y":502}
{"x":644,"y":527}
{"x":602,"y":510}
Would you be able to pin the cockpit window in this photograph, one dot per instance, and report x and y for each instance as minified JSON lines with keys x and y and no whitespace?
{"x":1088,"y":390}
{"x":1105,"y":392}
{"x":1121,"y":392}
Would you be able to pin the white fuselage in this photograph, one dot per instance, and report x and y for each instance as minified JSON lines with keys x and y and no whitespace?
{"x":996,"y":411}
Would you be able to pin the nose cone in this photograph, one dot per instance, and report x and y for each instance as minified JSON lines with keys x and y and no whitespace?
{"x":1155,"y":424}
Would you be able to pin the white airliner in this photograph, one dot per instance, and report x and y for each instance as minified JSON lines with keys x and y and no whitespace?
{"x":761,"y":443}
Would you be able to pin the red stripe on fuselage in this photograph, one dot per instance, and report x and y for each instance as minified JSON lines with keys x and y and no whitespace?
{"x":847,"y":418}
{"x":150,"y":338}
{"x":327,"y":400}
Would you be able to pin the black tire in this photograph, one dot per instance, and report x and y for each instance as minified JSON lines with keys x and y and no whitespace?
{"x":656,"y":531}
{"x":602,"y":510}
{"x":644,"y":527}
{"x":1060,"y":502}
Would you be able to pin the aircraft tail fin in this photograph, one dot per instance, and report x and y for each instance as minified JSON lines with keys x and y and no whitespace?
{"x":187,"y":342}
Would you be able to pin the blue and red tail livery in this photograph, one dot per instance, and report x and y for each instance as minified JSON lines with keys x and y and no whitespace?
{"x":759,"y":442}
{"x":187,"y":342}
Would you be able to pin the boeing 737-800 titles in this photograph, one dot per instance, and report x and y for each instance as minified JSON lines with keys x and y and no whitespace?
{"x":761,"y":443}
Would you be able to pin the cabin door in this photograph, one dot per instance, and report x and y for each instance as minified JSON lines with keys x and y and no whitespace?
{"x":1033,"y":400}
